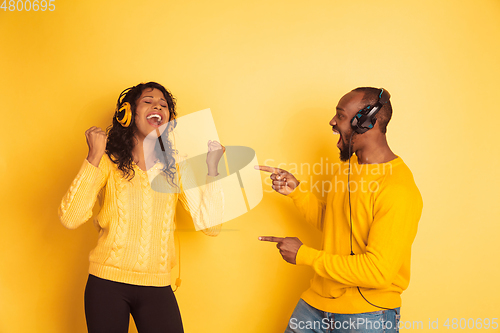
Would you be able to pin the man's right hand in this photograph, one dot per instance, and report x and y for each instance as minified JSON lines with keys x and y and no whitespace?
{"x":96,"y":140}
{"x":283,"y":181}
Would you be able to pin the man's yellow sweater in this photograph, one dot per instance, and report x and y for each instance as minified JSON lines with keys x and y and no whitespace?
{"x":386,"y":206}
{"x":135,"y":223}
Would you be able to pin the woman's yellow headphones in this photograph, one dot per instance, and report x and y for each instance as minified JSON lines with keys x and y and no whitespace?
{"x":124,"y":110}
{"x":124,"y":114}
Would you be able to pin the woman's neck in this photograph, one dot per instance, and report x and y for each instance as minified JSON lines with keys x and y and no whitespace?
{"x":139,"y":156}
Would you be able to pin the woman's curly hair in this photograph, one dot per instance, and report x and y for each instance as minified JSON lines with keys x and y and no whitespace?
{"x":121,"y":140}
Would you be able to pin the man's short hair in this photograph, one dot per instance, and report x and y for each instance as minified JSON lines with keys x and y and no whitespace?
{"x":370,"y":97}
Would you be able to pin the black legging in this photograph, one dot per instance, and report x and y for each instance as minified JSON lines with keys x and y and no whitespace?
{"x":108,"y":306}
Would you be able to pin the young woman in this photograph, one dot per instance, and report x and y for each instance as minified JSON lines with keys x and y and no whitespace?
{"x":130,"y":266}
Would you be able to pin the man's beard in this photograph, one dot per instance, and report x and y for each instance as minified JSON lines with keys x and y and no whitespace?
{"x":345,"y":155}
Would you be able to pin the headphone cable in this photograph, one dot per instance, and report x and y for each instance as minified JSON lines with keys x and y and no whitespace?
{"x":349,"y":189}
{"x":350,"y":220}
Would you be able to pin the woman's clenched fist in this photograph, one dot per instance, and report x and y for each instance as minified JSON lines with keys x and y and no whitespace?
{"x":96,"y":140}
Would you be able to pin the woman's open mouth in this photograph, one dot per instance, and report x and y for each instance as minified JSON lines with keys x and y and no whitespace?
{"x":154,"y":119}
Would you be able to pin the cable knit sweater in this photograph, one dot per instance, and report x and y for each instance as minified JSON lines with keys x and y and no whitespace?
{"x":135,"y":223}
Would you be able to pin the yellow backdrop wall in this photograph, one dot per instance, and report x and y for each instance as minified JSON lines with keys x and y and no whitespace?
{"x":272,"y":73}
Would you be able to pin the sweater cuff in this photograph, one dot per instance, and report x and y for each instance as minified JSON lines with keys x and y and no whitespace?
{"x":306,"y":255}
{"x":298,"y":192}
{"x":212,"y":231}
{"x":210,"y":179}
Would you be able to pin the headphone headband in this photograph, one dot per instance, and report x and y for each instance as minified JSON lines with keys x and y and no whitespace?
{"x":122,"y":96}
{"x":384,"y":96}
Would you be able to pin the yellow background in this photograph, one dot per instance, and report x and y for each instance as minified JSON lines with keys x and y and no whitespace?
{"x":272,"y":73}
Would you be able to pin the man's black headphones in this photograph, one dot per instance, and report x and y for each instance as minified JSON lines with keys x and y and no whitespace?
{"x":365,"y":118}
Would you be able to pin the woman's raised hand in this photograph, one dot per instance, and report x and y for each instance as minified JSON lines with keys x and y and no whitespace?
{"x":215,"y":152}
{"x":96,"y":140}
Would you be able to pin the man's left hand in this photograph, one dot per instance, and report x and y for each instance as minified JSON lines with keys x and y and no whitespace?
{"x":288,"y":246}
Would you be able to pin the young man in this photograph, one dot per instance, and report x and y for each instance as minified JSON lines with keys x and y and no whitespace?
{"x":369,"y":222}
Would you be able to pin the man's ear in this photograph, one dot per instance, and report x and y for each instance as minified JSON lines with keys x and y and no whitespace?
{"x":376,"y":127}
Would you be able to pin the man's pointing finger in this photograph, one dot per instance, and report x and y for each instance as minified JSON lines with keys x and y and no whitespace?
{"x":268,"y":168}
{"x":271,"y":239}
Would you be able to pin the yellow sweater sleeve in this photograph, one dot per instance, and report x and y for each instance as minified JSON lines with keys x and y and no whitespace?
{"x":311,"y":208}
{"x":396,"y":214}
{"x":205,"y":202}
{"x":76,"y":205}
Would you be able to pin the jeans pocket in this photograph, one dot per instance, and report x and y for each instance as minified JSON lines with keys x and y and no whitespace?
{"x":397,"y":323}
{"x":391,"y":320}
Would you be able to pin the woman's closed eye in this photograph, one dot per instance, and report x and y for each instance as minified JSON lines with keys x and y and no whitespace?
{"x":149,"y":102}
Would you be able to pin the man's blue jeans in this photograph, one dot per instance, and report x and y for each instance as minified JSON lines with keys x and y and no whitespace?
{"x":306,"y":319}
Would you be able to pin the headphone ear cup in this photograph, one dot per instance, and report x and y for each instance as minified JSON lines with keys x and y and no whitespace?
{"x":372,"y":123}
{"x":124,"y":114}
{"x":356,"y":123}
